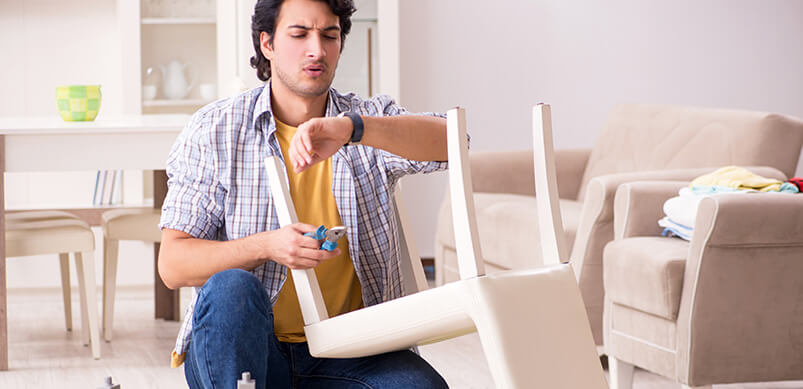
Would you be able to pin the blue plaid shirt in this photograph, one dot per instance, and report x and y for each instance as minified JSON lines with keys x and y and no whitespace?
{"x":218,"y":188}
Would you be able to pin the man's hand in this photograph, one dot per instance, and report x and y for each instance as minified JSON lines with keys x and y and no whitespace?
{"x":318,"y":139}
{"x":288,"y":246}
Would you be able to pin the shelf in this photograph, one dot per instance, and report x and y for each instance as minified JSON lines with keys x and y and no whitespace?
{"x":175,"y":103}
{"x":168,"y":21}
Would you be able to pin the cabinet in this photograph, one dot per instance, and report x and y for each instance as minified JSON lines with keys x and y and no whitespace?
{"x":156,"y":33}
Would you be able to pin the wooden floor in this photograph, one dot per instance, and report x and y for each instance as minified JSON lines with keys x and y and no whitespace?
{"x":43,"y":355}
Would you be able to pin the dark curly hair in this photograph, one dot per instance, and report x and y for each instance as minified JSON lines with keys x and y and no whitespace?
{"x":266,"y":13}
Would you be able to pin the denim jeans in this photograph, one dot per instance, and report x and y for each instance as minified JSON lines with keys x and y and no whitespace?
{"x":233,"y":332}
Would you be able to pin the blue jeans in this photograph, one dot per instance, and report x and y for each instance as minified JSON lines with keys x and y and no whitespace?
{"x":233,"y":332}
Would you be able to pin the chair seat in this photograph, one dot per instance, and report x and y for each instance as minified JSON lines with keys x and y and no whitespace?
{"x":132,"y":224}
{"x":521,"y":334}
{"x":508,"y":227}
{"x":48,"y":237}
{"x":26,"y":216}
{"x":646,"y":273}
{"x":438,"y":311}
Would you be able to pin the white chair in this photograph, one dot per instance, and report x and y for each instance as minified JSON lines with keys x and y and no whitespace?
{"x":532,"y":323}
{"x":53,"y":232}
{"x":122,"y":224}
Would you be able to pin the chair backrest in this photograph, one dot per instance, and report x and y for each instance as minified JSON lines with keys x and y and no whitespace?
{"x":554,"y":245}
{"x":308,"y":289}
{"x":470,"y":262}
{"x":313,"y":309}
{"x":639,"y":137}
{"x":413,"y":277}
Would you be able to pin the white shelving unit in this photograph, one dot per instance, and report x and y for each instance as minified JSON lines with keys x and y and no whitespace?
{"x":189,"y":20}
{"x":157,"y":32}
{"x":175,"y":103}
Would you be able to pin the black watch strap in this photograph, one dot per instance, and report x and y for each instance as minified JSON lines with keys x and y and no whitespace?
{"x":358,"y":127}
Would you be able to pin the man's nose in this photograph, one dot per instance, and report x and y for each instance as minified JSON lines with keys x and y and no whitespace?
{"x":315,"y":48}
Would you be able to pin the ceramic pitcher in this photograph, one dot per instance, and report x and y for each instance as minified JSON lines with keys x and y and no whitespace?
{"x":174,"y":80}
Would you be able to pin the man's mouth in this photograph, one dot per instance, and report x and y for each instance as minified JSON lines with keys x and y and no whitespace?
{"x":314,"y":70}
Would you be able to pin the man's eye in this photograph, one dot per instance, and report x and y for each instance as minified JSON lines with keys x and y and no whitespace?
{"x":297,"y":35}
{"x":330,"y":37}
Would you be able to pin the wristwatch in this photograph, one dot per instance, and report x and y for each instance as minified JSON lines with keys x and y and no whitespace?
{"x":357,"y":125}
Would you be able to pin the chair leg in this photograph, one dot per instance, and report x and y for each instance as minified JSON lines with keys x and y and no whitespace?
{"x":82,"y":293}
{"x":621,"y":373}
{"x":89,"y":301}
{"x":110,"y":252}
{"x":64,"y":263}
{"x":544,"y":339}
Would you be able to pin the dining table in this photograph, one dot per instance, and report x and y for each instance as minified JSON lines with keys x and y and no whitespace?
{"x":49,"y":144}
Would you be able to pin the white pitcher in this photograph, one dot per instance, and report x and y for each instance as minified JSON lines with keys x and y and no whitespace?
{"x":174,"y":80}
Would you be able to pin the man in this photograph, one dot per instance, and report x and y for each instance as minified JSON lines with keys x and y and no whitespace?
{"x":221,"y":232}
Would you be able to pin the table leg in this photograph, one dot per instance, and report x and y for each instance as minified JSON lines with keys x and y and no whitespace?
{"x":166,"y":301}
{"x":3,"y":285}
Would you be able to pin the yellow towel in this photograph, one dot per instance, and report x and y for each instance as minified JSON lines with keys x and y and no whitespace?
{"x":737,"y":178}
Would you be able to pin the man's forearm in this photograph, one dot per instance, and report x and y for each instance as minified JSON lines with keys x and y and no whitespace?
{"x":188,"y":261}
{"x":419,"y":138}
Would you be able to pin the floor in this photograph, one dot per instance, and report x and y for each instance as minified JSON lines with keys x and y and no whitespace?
{"x":43,"y":355}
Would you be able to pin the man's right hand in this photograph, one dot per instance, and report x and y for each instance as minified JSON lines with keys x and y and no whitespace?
{"x":288,"y":246}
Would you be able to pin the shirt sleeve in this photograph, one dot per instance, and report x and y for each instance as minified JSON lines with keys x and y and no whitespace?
{"x":398,"y":166}
{"x":194,"y":196}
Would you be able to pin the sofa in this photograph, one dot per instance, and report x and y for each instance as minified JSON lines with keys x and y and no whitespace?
{"x":638,"y":142}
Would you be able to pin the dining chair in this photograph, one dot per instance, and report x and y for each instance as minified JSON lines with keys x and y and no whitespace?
{"x":54,"y":232}
{"x":531,"y":323}
{"x":123,"y":224}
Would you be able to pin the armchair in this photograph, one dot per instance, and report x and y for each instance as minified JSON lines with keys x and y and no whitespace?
{"x":639,"y":142}
{"x":725,"y":307}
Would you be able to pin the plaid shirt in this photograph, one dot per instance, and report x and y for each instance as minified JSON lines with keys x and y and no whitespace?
{"x":219,"y":190}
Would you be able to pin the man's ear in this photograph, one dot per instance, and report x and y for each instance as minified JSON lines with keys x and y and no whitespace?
{"x":265,"y":45}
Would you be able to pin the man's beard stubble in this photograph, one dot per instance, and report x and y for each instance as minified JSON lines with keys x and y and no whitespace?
{"x":294,"y":86}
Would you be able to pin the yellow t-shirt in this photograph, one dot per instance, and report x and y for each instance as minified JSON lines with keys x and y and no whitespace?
{"x":311,"y":191}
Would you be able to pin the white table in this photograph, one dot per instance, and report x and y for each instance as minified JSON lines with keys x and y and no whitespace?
{"x":39,"y":144}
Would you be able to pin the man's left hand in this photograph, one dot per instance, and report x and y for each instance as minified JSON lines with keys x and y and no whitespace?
{"x":318,"y":139}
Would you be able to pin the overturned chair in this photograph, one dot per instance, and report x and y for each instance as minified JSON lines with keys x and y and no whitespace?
{"x":532,"y":323}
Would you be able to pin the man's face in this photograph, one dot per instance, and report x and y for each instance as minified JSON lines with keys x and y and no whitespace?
{"x":306,"y":47}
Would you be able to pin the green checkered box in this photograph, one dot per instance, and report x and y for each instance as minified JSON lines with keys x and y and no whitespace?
{"x":78,"y":102}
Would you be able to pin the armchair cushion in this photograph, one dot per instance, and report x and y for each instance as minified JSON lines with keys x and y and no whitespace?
{"x":508,"y":226}
{"x":646,"y":273}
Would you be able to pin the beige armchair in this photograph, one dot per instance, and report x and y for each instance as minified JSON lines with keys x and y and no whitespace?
{"x":639,"y":142}
{"x":726,"y":307}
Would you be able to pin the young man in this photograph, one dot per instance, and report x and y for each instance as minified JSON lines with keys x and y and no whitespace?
{"x":221,"y":232}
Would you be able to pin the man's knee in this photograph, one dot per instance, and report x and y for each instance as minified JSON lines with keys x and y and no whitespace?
{"x":235,"y":289}
{"x":233,"y":283}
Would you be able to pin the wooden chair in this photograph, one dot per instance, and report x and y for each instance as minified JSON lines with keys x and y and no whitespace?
{"x":532,"y":323}
{"x":53,"y":232}
{"x":122,"y":224}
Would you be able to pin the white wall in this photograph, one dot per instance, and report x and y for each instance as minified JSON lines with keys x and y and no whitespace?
{"x":497,"y":59}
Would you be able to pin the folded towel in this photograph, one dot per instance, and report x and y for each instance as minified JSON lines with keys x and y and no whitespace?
{"x":675,"y":229}
{"x":738,"y":178}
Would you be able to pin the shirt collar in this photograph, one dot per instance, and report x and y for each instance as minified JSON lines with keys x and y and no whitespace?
{"x":263,"y":113}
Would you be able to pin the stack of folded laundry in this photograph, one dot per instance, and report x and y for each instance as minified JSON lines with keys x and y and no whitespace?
{"x":681,"y":211}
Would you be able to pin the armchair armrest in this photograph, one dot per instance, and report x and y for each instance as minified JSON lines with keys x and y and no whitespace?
{"x":512,"y":171}
{"x":748,"y":247}
{"x":639,"y":205}
{"x":750,"y":220}
{"x":596,"y":221}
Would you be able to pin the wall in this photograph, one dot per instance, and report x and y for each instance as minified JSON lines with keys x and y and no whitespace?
{"x":497,"y":59}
